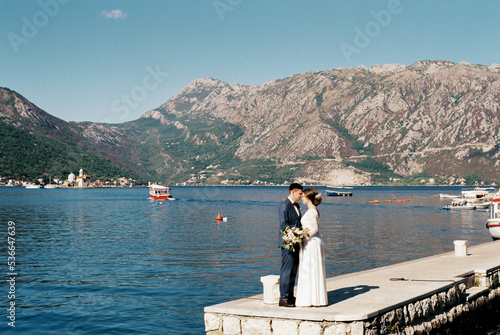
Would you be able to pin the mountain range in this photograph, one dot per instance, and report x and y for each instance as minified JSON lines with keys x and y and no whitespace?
{"x":431,"y":119}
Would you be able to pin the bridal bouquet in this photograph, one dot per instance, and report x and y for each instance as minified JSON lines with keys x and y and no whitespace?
{"x":293,"y":236}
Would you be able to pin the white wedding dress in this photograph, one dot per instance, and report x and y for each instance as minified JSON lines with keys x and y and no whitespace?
{"x":311,"y":286}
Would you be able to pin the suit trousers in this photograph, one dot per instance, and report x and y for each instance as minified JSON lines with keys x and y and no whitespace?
{"x":288,"y":273}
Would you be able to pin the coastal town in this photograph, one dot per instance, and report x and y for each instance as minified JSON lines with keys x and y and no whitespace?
{"x":81,"y":180}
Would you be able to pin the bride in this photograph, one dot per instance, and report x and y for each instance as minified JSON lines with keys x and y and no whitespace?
{"x":311,"y":286}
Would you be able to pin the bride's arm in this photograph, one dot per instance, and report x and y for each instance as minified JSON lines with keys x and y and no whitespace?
{"x":313,"y":227}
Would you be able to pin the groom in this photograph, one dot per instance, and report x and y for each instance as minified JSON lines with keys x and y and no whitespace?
{"x":289,"y":216}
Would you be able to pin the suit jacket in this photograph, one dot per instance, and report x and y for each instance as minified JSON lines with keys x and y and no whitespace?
{"x":288,"y":218}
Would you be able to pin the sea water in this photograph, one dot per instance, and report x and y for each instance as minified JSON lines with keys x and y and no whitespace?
{"x":112,"y":261}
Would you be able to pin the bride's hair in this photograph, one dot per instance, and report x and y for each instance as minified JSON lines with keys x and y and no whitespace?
{"x":313,"y":195}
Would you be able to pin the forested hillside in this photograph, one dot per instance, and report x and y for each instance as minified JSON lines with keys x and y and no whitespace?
{"x":28,"y":157}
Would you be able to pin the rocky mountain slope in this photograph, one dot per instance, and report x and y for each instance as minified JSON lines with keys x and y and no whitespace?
{"x":434,"y":117}
{"x":343,"y":126}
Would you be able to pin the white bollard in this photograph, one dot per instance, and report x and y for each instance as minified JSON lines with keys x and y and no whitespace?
{"x":271,"y":289}
{"x":460,"y":247}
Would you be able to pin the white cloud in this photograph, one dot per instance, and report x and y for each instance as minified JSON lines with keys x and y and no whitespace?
{"x":114,"y":14}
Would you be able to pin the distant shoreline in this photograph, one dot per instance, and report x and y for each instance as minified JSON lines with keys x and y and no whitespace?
{"x":284,"y":185}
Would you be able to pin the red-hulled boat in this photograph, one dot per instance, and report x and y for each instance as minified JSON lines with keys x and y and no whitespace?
{"x":160,"y":192}
{"x":493,"y":224}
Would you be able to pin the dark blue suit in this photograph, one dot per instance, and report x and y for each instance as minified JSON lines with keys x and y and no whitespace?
{"x":289,"y":260}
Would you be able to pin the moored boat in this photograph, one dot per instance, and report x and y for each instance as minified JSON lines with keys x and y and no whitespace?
{"x":32,"y":186}
{"x":160,"y":192}
{"x":493,"y":223}
{"x":50,"y":185}
{"x":482,"y":204}
{"x":339,"y":191}
{"x":477,"y":193}
{"x":447,"y":196}
{"x":460,"y":204}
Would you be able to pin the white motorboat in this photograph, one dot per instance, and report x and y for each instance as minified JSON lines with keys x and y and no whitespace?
{"x":482,"y":204}
{"x":32,"y":186}
{"x":493,"y":223}
{"x":460,"y":204}
{"x":339,"y":191}
{"x":50,"y":185}
{"x":448,"y":196}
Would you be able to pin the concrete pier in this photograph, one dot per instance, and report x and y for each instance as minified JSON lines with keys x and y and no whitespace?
{"x":428,"y":295}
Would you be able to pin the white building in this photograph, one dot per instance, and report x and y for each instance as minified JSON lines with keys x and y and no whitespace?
{"x":82,"y":180}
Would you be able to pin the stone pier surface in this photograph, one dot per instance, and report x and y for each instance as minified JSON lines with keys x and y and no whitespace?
{"x":428,"y":295}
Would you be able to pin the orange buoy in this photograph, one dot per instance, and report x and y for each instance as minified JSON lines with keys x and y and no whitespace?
{"x":387,"y":201}
{"x":219,"y":217}
{"x":284,"y":199}
{"x":374,"y":202}
{"x":414,"y":197}
{"x":420,"y":204}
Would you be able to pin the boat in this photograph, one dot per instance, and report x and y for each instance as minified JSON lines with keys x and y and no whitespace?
{"x":452,"y":207}
{"x":448,"y":196}
{"x":32,"y":186}
{"x":476,"y":197}
{"x":477,"y":193}
{"x":160,"y":192}
{"x":50,"y":185}
{"x":482,"y":204}
{"x":339,"y":191}
{"x":493,"y":223}
{"x":460,"y":204}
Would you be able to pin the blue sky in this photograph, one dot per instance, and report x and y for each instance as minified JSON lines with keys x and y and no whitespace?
{"x":111,"y":61}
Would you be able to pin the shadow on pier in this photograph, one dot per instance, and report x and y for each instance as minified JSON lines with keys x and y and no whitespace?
{"x":345,"y":293}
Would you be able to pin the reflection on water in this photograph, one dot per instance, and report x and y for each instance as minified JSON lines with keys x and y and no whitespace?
{"x":110,"y":261}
